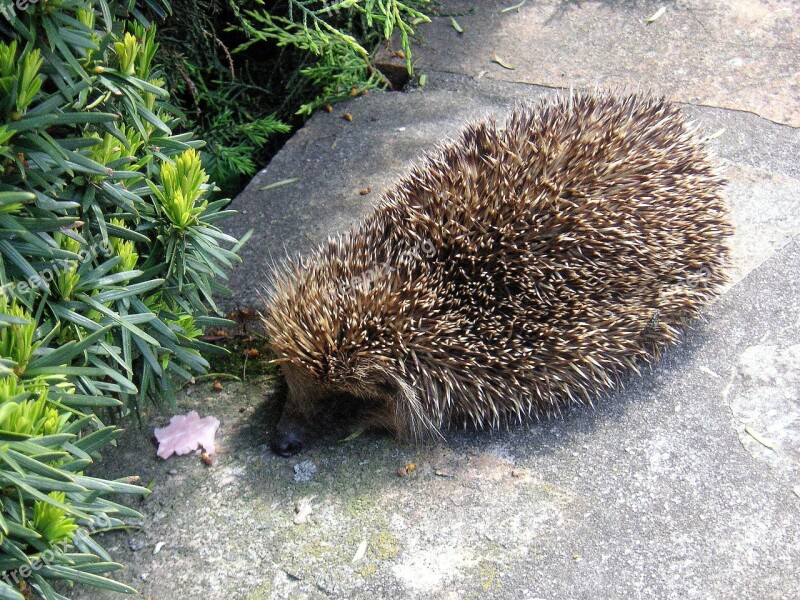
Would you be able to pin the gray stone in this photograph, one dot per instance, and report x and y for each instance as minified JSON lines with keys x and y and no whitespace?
{"x":739,"y":54}
{"x":679,"y":486}
{"x":136,"y":543}
{"x":304,"y":471}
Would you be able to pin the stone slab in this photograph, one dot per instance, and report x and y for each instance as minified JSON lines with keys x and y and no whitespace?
{"x":740,"y":54}
{"x":683,"y":485}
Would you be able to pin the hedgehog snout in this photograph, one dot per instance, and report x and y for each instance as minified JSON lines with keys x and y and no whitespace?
{"x":287,"y":443}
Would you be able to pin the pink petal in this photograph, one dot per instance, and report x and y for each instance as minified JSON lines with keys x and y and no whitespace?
{"x":185,"y":434}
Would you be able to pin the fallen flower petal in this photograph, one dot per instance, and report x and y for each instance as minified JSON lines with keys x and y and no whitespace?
{"x":185,"y":434}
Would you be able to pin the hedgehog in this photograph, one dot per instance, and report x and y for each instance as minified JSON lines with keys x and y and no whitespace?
{"x":513,"y":271}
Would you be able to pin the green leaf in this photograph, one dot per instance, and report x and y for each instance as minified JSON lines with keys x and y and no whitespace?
{"x":70,"y":315}
{"x":98,"y":439}
{"x":9,"y":593}
{"x":46,"y":484}
{"x":113,"y":280}
{"x":21,"y":263}
{"x":48,"y":593}
{"x":126,"y":322}
{"x":91,"y":483}
{"x":50,"y":120}
{"x":12,"y":320}
{"x":70,"y":574}
{"x":137,"y":289}
{"x":85,"y":400}
{"x":35,"y":466}
{"x":17,"y":197}
{"x":18,"y":531}
{"x":10,"y":548}
{"x":66,"y":353}
{"x":126,"y":234}
{"x":23,"y":485}
{"x":40,"y":444}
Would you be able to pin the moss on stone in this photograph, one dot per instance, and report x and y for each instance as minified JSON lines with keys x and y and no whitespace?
{"x":488,"y":573}
{"x":367,"y":570}
{"x":262,"y":592}
{"x":384,"y":546}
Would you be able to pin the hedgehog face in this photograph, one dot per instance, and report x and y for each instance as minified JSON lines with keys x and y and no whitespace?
{"x":367,"y":397}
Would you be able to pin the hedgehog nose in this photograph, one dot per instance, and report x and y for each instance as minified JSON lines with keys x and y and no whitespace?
{"x":286,"y":444}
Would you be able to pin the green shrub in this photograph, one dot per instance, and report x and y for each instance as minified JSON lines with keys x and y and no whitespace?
{"x":327,"y":32}
{"x":109,"y":252}
{"x":244,"y":71}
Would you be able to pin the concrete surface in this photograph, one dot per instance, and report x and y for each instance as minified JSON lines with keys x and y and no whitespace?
{"x":737,"y":54}
{"x":684,"y":485}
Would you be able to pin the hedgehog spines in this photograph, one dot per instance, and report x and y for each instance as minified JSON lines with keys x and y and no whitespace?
{"x":514,"y":270}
